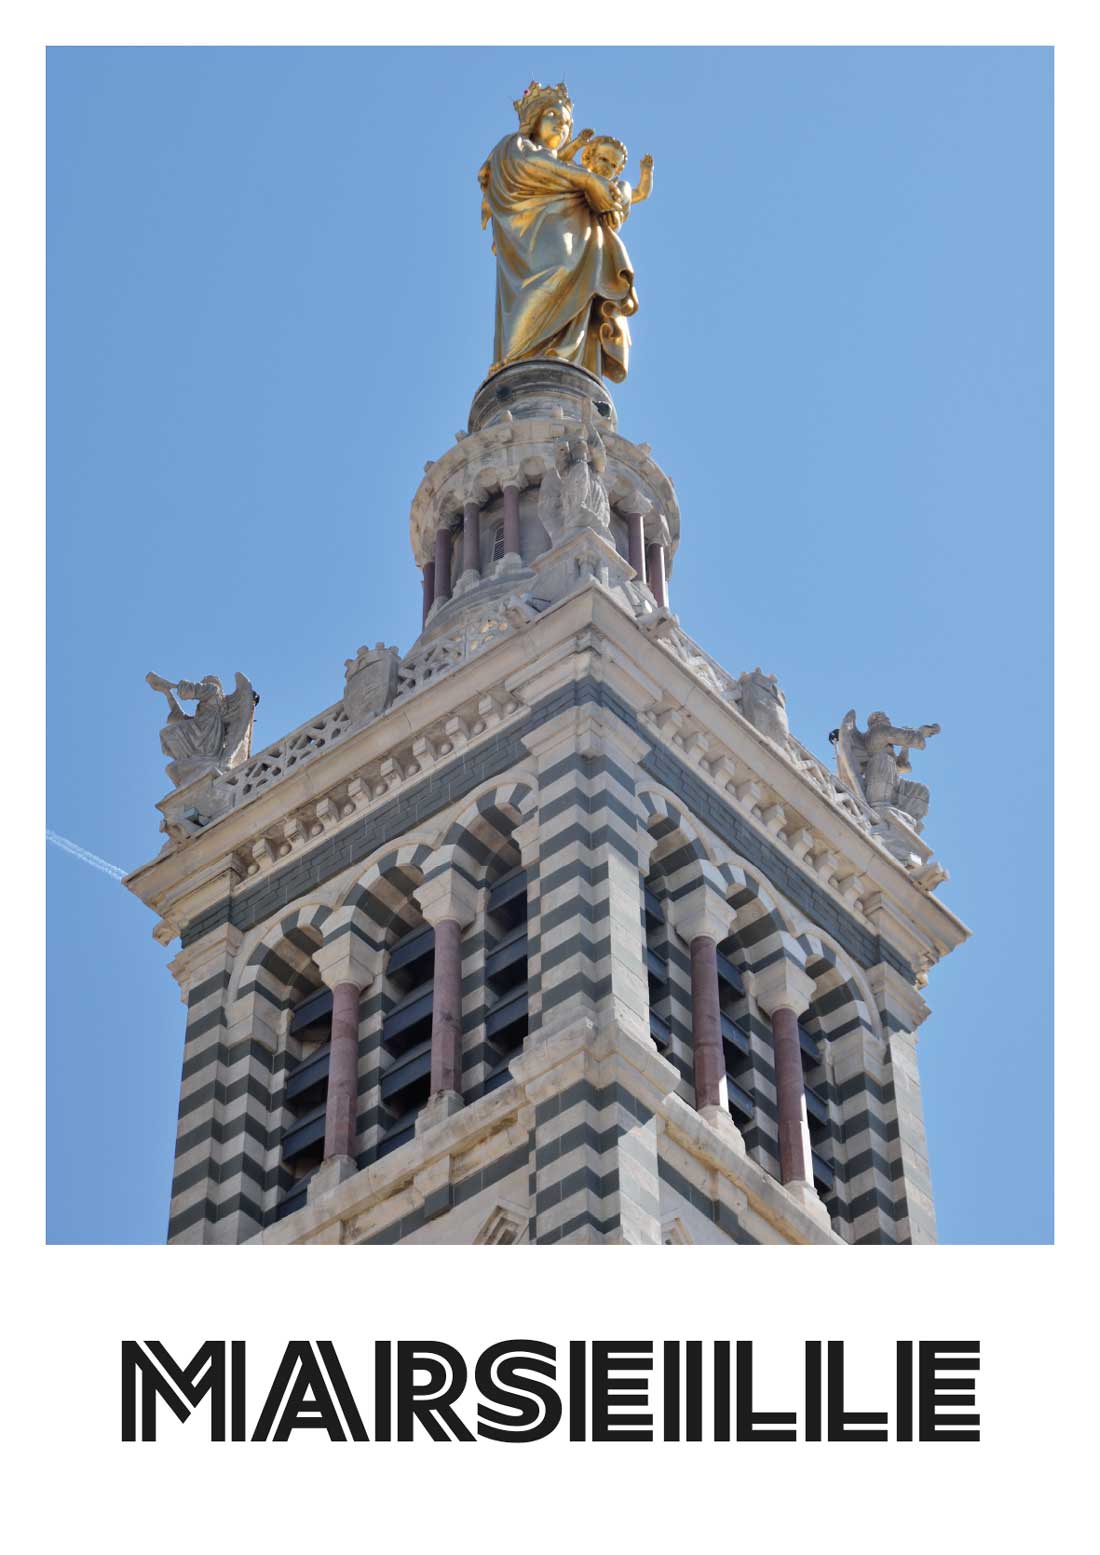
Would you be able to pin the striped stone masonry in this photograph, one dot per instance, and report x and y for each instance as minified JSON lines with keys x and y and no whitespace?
{"x":610,"y":1121}
{"x":588,"y":958}
{"x":225,"y":1168}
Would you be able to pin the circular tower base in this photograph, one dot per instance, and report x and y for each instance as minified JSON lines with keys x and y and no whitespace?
{"x":539,"y":387}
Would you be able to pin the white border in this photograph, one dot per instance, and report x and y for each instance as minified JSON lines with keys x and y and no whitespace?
{"x":1027,"y":1304}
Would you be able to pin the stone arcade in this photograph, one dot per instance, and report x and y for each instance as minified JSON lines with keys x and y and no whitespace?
{"x":549,"y":930}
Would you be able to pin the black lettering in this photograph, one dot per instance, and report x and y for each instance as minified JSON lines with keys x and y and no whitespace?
{"x":842,"y":1421}
{"x":750,"y":1424}
{"x":528,"y":1409}
{"x":619,"y":1355}
{"x":162,"y":1377}
{"x":301,"y":1387}
{"x":940,"y":1355}
{"x":430,"y":1405}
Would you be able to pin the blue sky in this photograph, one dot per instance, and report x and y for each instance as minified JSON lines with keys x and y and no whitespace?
{"x":269,"y":302}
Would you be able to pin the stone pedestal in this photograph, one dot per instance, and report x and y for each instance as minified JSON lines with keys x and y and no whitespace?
{"x":329,"y":1175}
{"x":437,"y":1109}
{"x":542,"y":387}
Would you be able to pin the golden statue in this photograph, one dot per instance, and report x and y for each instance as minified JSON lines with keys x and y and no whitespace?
{"x":565,"y":284}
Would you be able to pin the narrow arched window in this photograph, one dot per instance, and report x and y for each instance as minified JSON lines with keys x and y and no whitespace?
{"x":736,"y":1034}
{"x":656,"y":961}
{"x":303,"y":1143}
{"x":407,"y":1033}
{"x":817,"y":1107}
{"x":506,"y":980}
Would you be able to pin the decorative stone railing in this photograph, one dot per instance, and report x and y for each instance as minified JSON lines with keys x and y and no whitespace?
{"x":828,"y":783}
{"x":447,"y":653}
{"x":381,"y":776}
{"x":284,"y":756}
{"x":414,"y":673}
{"x":666,"y":629}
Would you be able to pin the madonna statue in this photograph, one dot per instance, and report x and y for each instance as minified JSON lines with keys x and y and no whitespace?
{"x":565,"y":284}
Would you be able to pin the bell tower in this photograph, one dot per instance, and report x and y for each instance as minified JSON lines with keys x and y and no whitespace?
{"x":548,"y":929}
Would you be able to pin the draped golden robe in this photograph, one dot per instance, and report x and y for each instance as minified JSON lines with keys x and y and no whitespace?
{"x":565,"y":284}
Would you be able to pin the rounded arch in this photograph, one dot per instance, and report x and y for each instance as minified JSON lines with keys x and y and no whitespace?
{"x":480,"y":841}
{"x":663,"y":818}
{"x":279,"y":969}
{"x":761,"y":929}
{"x":381,"y":901}
{"x":842,"y":1000}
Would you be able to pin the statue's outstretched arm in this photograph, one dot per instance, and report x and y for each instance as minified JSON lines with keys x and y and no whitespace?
{"x":645,"y":183}
{"x":911,"y":738}
{"x":569,"y":151}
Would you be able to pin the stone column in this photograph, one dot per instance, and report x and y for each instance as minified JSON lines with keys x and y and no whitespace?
{"x":635,"y":542}
{"x":706,"y":1028}
{"x":429,"y":591}
{"x":343,"y":969}
{"x":471,"y":541}
{"x":785,"y":992}
{"x":342,"y":1068}
{"x":449,"y":902}
{"x":443,"y":562}
{"x":512,"y":551}
{"x":702,"y":919}
{"x":658,"y":585}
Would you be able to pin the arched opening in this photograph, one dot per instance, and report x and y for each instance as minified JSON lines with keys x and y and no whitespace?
{"x":658,"y":945}
{"x":308,"y":1042}
{"x":506,"y":972}
{"x":406,"y":1027}
{"x":736,"y":1026}
{"x":815,"y":1084}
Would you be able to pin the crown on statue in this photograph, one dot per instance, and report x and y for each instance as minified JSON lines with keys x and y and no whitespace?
{"x":535,"y":101}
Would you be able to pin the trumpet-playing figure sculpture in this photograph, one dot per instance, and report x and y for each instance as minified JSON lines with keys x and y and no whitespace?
{"x":565,"y":284}
{"x":868,"y":763}
{"x":216,"y":737}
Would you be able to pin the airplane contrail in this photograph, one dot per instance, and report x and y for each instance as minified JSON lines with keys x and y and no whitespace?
{"x":83,"y":854}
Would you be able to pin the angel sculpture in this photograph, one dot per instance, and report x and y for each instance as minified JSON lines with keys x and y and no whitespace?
{"x":216,"y":737}
{"x":868,"y":763}
{"x":573,"y":495}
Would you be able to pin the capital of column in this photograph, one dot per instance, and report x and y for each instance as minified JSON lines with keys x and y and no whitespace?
{"x":781,"y":986}
{"x":702,"y":913}
{"x":340,"y":966}
{"x":448,"y":895}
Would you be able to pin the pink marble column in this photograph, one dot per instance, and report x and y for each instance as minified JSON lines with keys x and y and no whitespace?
{"x":343,"y":1069}
{"x":706,"y":1025}
{"x":794,"y":1133}
{"x":429,"y":591}
{"x":635,"y":543}
{"x":443,"y":562}
{"x":471,"y":538}
{"x":658,"y":585}
{"x":511,"y":521}
{"x":447,"y":1008}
